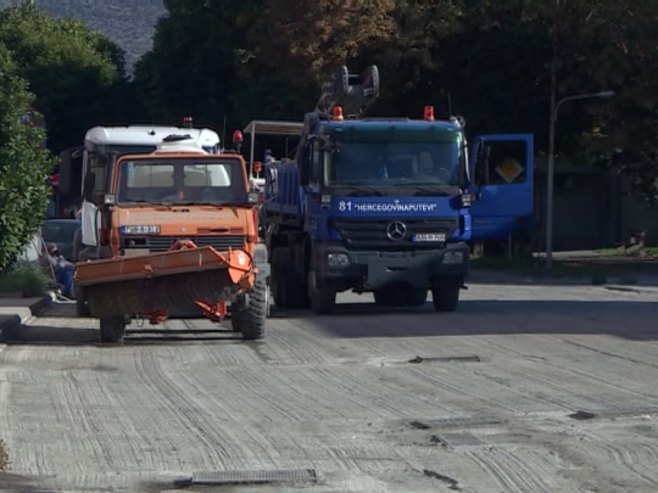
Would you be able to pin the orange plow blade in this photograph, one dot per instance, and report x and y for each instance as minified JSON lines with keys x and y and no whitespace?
{"x":158,"y":285}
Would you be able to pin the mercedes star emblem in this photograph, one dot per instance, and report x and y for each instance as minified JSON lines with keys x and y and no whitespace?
{"x":396,"y":231}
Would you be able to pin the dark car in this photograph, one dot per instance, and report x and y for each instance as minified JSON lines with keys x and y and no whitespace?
{"x":62,"y":232}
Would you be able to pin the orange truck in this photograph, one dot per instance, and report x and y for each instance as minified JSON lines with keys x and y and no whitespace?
{"x":181,"y":229}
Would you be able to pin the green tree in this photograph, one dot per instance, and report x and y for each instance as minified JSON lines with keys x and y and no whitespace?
{"x":252,"y":59}
{"x":24,"y":164}
{"x":191,"y":69}
{"x":77,"y":75}
{"x":619,"y":50}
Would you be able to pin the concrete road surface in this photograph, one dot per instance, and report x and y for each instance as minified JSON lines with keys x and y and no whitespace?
{"x":524,"y":389}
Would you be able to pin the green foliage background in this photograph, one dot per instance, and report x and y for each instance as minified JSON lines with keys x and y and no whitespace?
{"x":217,"y":60}
{"x":24,"y":164}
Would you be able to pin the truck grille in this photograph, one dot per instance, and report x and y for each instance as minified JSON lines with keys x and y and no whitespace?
{"x":163,"y":243}
{"x":372,"y":234}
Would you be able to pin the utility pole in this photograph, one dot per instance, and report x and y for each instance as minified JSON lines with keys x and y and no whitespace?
{"x":551,"y":141}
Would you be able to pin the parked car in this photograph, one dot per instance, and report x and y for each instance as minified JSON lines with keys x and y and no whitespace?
{"x":65,"y":234}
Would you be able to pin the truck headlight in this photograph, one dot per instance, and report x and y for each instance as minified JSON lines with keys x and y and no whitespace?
{"x":140,"y":230}
{"x":338,"y":260}
{"x":451,"y":258}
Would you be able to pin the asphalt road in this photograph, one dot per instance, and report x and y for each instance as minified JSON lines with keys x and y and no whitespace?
{"x":524,"y":389}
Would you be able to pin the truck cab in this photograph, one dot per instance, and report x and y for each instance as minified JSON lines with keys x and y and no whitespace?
{"x":102,"y":147}
{"x":170,"y":195}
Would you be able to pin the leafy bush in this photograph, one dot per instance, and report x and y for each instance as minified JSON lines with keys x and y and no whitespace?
{"x":24,"y":164}
{"x":27,"y":278}
{"x":4,"y":457}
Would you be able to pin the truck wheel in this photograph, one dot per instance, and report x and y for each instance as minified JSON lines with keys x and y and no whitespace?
{"x":113,"y":329}
{"x":416,"y":297}
{"x":235,"y":318}
{"x":251,"y":316}
{"x":289,"y":290}
{"x":446,"y":298}
{"x":81,"y":305}
{"x":390,"y":297}
{"x":279,"y":256}
{"x":323,"y":301}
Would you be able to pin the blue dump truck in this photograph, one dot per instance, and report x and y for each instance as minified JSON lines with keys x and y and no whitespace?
{"x":376,"y":205}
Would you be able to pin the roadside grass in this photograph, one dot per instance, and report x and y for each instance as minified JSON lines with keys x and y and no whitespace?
{"x":25,"y":278}
{"x":645,"y":253}
{"x":4,"y":457}
{"x":535,"y":268}
{"x":648,"y":253}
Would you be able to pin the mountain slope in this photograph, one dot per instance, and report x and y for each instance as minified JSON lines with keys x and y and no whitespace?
{"x":129,"y":23}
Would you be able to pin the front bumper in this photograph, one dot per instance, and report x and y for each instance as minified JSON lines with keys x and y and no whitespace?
{"x":367,"y":270}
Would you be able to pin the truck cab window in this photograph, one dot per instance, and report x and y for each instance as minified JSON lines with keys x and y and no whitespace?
{"x":147,"y":181}
{"x":394,"y":164}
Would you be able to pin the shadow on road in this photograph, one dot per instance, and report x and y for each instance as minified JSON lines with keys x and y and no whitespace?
{"x":65,"y":336}
{"x":630,"y":320}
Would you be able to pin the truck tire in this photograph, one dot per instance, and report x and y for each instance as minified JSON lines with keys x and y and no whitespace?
{"x":235,"y":319}
{"x":446,"y":297}
{"x":81,"y":305}
{"x":250,"y":317}
{"x":416,"y":296}
{"x":323,"y":301}
{"x":113,"y":329}
{"x":289,"y":287}
{"x":279,"y":256}
{"x":390,"y":296}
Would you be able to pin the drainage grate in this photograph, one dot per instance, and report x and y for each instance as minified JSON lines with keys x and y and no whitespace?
{"x":456,"y":439}
{"x":474,"y":358}
{"x":425,"y":424}
{"x":586,"y":414}
{"x":249,"y":477}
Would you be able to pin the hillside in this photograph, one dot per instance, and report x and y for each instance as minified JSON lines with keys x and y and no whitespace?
{"x":129,"y":23}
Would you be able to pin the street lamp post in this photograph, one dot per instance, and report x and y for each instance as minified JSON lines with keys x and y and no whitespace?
{"x":550,"y":172}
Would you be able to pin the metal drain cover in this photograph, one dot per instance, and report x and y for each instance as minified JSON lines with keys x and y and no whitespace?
{"x":455,"y":422}
{"x":456,"y":439}
{"x":250,"y":477}
{"x":622,"y":412}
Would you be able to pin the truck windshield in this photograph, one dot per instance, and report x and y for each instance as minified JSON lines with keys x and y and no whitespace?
{"x":393,"y":164}
{"x":181,"y":182}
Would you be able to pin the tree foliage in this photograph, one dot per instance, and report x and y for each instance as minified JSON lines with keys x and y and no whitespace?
{"x":77,"y":75}
{"x":252,"y":59}
{"x":24,"y":164}
{"x":488,"y":60}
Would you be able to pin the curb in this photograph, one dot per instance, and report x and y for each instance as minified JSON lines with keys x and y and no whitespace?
{"x":12,"y":321}
{"x":503,"y":278}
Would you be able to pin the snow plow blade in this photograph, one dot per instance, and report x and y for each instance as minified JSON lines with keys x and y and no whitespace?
{"x":183,"y":279}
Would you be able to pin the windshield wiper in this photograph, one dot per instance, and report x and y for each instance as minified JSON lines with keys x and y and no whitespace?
{"x":437,"y":189}
{"x":146,"y":201}
{"x":431,"y":191}
{"x":202,"y":202}
{"x":362,"y":189}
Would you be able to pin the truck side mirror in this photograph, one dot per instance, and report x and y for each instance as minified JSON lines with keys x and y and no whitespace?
{"x":305,"y":164}
{"x":89,"y":186}
{"x":481,"y":171}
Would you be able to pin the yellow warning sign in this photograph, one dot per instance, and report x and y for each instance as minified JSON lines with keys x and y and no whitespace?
{"x":509,"y":169}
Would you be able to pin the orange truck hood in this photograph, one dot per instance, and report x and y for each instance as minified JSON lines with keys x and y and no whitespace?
{"x":189,"y":220}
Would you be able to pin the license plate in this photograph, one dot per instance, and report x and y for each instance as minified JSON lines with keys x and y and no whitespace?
{"x":437,"y":237}
{"x":136,"y":252}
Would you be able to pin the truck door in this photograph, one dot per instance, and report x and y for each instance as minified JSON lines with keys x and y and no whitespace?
{"x":502,"y":178}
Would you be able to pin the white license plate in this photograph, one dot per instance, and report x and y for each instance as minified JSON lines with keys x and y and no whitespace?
{"x":437,"y":237}
{"x":136,"y":252}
